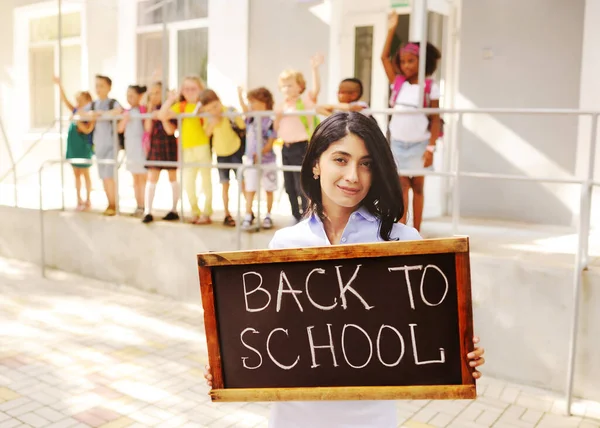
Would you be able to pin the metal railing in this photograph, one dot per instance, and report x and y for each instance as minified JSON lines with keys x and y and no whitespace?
{"x":455,"y":173}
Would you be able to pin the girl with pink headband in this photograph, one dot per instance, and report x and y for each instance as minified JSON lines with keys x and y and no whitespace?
{"x":413,"y":136}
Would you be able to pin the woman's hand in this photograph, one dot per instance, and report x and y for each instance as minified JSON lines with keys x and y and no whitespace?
{"x":427,"y":159}
{"x":392,"y":20}
{"x":475,"y":357}
{"x":209,"y":377}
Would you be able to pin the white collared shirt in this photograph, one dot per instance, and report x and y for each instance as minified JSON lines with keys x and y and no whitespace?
{"x":362,"y":228}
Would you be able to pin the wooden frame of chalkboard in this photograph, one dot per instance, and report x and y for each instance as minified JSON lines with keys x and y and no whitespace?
{"x":216,"y":271}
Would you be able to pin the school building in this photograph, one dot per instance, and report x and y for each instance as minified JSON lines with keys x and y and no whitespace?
{"x":510,"y":54}
{"x":505,"y":54}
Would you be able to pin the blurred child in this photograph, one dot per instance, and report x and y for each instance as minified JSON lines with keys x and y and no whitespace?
{"x":260,"y":99}
{"x":196,"y":147}
{"x":226,"y":136}
{"x":295,"y":131}
{"x":133,"y":127}
{"x":163,"y":148}
{"x":413,"y":136}
{"x":350,"y":92}
{"x":78,"y":146}
{"x":103,"y":138}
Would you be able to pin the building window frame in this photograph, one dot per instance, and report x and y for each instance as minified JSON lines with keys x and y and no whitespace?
{"x":172,"y":28}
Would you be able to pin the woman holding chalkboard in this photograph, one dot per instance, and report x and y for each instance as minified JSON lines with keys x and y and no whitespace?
{"x":350,"y":179}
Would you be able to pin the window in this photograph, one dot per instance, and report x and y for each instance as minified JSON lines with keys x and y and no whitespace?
{"x":363,"y":59}
{"x":151,"y":11}
{"x":150,"y":57}
{"x":192,"y":53}
{"x":44,"y":63}
{"x":187,"y":40}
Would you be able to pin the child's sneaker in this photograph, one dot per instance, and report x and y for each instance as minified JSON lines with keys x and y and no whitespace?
{"x":267,"y":222}
{"x":247,"y":223}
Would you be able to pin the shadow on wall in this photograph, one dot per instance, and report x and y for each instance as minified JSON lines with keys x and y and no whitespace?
{"x":510,"y":200}
{"x":284,"y":34}
{"x":536,"y":67}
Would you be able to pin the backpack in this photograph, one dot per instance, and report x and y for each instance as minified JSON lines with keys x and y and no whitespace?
{"x":399,"y":81}
{"x":121,"y":135}
{"x":304,"y":119}
{"x":240,"y":132}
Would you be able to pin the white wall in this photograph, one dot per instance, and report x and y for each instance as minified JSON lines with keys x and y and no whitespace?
{"x":536,"y":58}
{"x":590,"y":96}
{"x":101,"y":38}
{"x":228,"y":47}
{"x":284,"y":34}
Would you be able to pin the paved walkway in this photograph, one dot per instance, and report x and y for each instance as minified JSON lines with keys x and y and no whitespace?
{"x":76,"y":352}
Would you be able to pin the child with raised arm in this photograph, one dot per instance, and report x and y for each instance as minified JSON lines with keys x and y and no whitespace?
{"x":295,"y":131}
{"x":78,"y":145}
{"x":413,"y":136}
{"x":196,"y":147}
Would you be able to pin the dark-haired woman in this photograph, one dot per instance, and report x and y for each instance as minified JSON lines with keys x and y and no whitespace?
{"x":413,"y":136}
{"x":350,"y":180}
{"x":133,"y":127}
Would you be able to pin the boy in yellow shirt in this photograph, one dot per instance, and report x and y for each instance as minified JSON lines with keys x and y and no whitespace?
{"x":227,"y":136}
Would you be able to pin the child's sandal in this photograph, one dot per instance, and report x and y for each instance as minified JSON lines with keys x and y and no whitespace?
{"x":203,"y":219}
{"x":229,"y":221}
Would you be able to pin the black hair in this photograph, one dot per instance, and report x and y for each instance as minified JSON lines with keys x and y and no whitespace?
{"x":432,"y":56}
{"x":384,"y":199}
{"x":140,"y":90}
{"x":356,"y":81}
{"x":105,"y":78}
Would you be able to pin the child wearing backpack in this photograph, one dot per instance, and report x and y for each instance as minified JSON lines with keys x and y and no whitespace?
{"x":78,"y":146}
{"x":228,"y":137}
{"x":196,"y":147}
{"x":260,"y":99}
{"x":295,"y":131}
{"x":162,"y":148}
{"x":413,"y":136}
{"x":132,"y":126}
{"x":103,"y":138}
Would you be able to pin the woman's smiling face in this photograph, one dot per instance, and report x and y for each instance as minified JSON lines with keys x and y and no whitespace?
{"x":345,"y":173}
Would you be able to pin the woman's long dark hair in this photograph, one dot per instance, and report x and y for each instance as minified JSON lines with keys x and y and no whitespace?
{"x":384,"y":199}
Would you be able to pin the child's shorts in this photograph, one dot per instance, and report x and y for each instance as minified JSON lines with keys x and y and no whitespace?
{"x":409,"y":156}
{"x":268,"y":182}
{"x":234,"y":158}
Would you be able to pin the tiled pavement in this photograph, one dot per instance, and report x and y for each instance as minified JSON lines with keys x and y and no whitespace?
{"x":76,"y":352}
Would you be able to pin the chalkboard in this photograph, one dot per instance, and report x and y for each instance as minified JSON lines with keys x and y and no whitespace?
{"x":371,"y":321}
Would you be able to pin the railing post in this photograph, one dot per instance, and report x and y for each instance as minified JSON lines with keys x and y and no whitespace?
{"x":583,"y":227}
{"x":238,"y":223}
{"x":12,"y":161}
{"x":181,"y":167}
{"x":456,"y":184}
{"x":117,"y":148}
{"x":259,"y":172}
{"x":42,"y":234}
{"x":590,"y":188}
{"x":60,"y":122}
